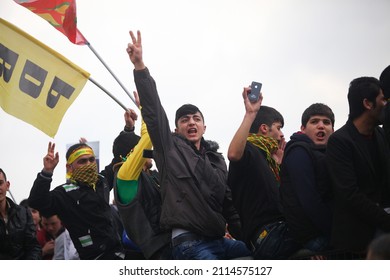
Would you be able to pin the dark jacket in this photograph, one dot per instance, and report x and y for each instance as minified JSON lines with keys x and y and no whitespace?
{"x":141,"y":217}
{"x":386,"y":124}
{"x":255,"y":191}
{"x":305,"y":189}
{"x":84,"y":212}
{"x":195,"y":195}
{"x":18,"y":239}
{"x":361,"y":186}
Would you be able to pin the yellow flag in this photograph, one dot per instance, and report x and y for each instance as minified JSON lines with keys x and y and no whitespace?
{"x":37,"y":84}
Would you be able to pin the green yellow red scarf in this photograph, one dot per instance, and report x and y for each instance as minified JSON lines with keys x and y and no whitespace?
{"x":269,"y":145}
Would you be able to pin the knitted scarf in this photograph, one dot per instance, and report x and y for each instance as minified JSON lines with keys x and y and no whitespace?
{"x":269,"y":145}
{"x":87,"y":174}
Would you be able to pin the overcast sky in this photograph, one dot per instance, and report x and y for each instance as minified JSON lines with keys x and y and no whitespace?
{"x":201,"y":52}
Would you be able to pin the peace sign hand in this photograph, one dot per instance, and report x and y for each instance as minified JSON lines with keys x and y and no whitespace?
{"x":134,"y":50}
{"x":51,"y":160}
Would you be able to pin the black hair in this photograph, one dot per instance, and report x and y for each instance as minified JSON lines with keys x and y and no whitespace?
{"x":360,"y":89}
{"x":385,"y":81}
{"x":266,"y":115}
{"x":317,"y":109}
{"x":123,"y":144}
{"x":24,"y":203}
{"x":5,"y":176}
{"x":187,"y":109}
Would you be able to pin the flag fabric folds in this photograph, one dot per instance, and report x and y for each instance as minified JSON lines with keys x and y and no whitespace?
{"x":37,"y":84}
{"x":61,"y":14}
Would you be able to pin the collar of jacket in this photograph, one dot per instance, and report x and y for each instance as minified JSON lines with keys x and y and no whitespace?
{"x":205,"y":145}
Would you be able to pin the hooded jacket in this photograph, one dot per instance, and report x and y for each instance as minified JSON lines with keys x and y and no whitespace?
{"x":305,"y":189}
{"x":194,"y":190}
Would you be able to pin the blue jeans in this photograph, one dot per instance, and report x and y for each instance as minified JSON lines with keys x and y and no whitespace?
{"x":210,"y":249}
{"x":317,"y":244}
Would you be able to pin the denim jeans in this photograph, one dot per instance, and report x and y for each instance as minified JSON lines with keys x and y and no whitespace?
{"x":317,"y":244}
{"x":210,"y":249}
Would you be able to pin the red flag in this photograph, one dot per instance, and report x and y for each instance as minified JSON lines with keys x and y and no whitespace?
{"x":61,"y":14}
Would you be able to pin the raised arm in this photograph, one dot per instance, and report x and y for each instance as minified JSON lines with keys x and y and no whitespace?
{"x":237,"y":145}
{"x":152,"y":111}
{"x":40,"y":198}
{"x":130,"y":170}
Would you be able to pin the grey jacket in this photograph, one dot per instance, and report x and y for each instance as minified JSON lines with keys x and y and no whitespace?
{"x":195,"y":195}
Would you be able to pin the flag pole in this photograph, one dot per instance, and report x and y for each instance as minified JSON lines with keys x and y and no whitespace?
{"x":109,"y":70}
{"x":108,"y":93}
{"x":12,"y":197}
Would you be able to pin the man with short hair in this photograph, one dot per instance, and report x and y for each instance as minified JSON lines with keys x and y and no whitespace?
{"x":305,"y":189}
{"x":195,"y":195}
{"x":18,"y":239}
{"x":52,"y":226}
{"x":255,"y":153}
{"x":81,"y":203}
{"x":358,"y":158}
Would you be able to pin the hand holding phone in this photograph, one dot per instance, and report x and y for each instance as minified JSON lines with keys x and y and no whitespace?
{"x":254,"y":94}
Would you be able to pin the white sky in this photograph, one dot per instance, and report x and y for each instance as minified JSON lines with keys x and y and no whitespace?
{"x":201,"y":52}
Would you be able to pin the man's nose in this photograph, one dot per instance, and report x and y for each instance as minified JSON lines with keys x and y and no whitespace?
{"x":321,"y":124}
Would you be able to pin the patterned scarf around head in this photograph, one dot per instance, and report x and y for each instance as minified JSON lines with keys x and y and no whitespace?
{"x":87,"y":174}
{"x":269,"y":145}
{"x":75,"y":155}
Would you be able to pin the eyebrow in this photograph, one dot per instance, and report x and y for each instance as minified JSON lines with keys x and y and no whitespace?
{"x":190,"y":115}
{"x":86,"y":159}
{"x":320,"y":118}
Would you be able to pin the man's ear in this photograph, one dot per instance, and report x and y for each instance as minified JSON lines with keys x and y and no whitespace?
{"x":69,"y":168}
{"x":302,"y":128}
{"x":367,"y":104}
{"x":263,"y":129}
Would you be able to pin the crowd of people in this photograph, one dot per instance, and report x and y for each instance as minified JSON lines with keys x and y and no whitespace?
{"x":322,"y":194}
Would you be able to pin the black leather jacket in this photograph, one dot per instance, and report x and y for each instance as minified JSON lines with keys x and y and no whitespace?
{"x":18,"y":236}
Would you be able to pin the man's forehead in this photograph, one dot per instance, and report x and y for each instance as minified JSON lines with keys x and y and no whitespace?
{"x":85,"y":156}
{"x":278,"y":123}
{"x":321,"y":117}
{"x":191,"y":115}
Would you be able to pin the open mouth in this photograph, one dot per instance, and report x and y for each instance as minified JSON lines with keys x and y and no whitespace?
{"x":320,"y":134}
{"x":192,"y":131}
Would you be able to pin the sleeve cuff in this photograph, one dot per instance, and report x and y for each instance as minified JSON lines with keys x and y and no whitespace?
{"x":128,"y":129}
{"x":46,"y":174}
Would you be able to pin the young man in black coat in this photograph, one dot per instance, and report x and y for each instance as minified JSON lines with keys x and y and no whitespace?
{"x":18,"y":238}
{"x":358,"y":159}
{"x":305,"y":185}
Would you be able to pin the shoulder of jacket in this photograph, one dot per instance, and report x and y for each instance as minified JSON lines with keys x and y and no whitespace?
{"x":69,"y":187}
{"x":212,"y":145}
